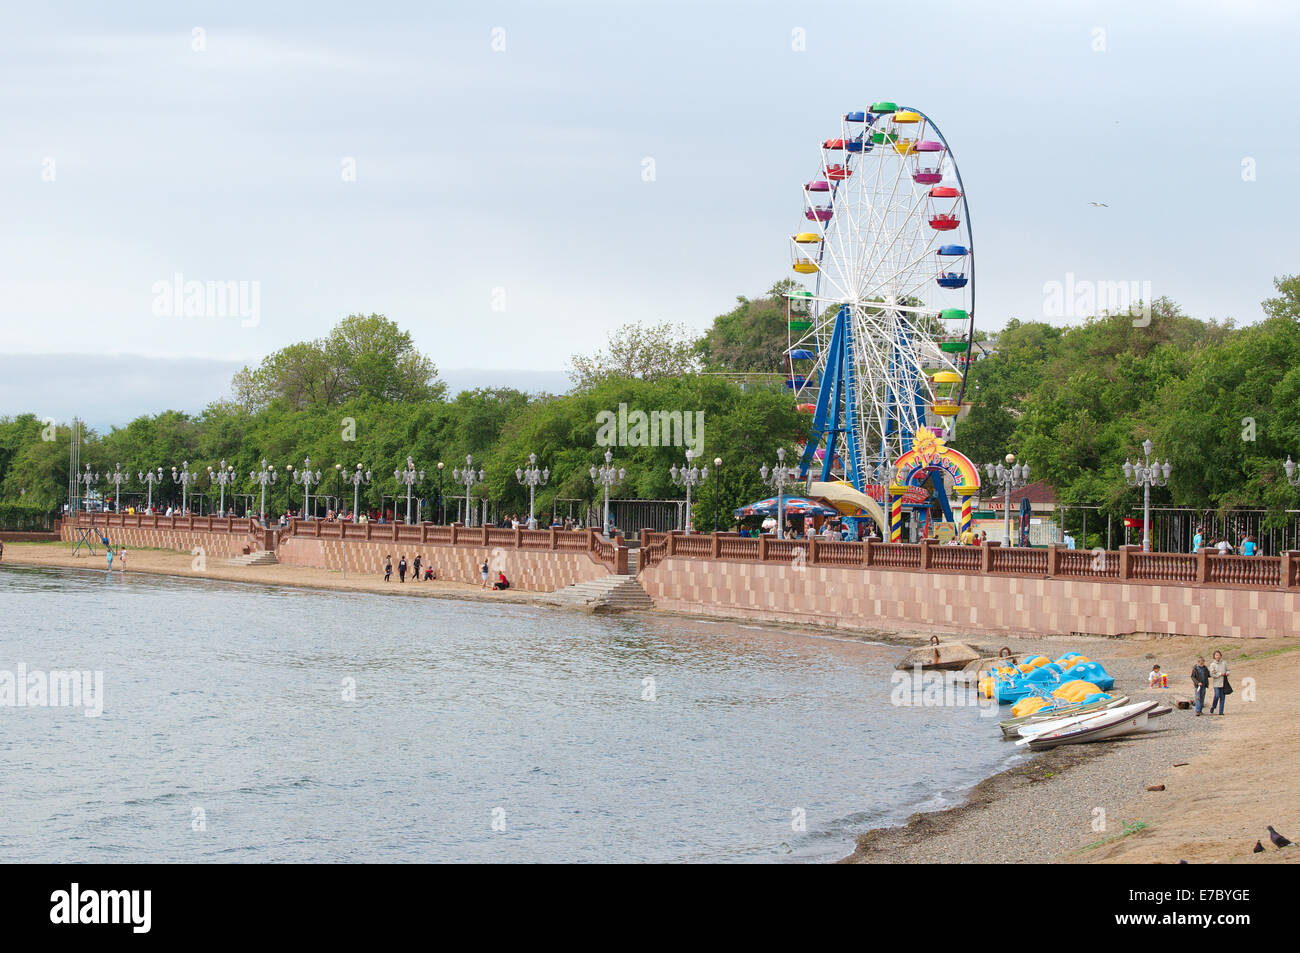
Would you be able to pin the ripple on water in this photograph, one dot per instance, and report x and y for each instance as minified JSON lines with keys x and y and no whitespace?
{"x":302,"y":725}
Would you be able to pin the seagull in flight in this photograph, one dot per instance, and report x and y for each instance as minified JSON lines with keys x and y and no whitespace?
{"x":1099,"y":204}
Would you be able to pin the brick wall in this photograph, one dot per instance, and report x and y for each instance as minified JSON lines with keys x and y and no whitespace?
{"x":531,"y":571}
{"x":910,"y":601}
{"x":214,"y":544}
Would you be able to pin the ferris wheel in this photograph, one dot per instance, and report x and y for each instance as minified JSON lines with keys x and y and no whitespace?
{"x":880,"y":344}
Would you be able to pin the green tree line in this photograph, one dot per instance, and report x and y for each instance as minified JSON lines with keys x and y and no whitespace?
{"x":1074,"y":401}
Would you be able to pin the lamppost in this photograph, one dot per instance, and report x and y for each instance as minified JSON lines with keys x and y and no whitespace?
{"x":410,"y":476}
{"x":263,"y":476}
{"x":117,"y":478}
{"x":717,"y":490}
{"x":1008,"y":477}
{"x":87,"y":479}
{"x":306,"y":478}
{"x":442,"y":507}
{"x":184,"y":478}
{"x":149,"y":478}
{"x":688,"y":476}
{"x":356,"y":478}
{"x":778,"y":478}
{"x":1147,"y":474}
{"x":222,"y":475}
{"x":609,"y":477}
{"x":467,"y":478}
{"x":1291,"y":477}
{"x":532,"y":478}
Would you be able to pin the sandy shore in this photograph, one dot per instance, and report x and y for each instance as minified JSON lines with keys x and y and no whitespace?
{"x":1225,"y":778}
{"x":168,"y":562}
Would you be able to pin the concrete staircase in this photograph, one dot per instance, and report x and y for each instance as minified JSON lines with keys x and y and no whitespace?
{"x":260,"y":557}
{"x":608,"y":594}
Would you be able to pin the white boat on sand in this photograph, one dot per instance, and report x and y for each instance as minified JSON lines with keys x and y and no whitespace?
{"x":1094,"y":726}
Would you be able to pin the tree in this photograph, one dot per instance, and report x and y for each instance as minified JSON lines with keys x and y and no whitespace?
{"x":364,"y":356}
{"x":642,"y":351}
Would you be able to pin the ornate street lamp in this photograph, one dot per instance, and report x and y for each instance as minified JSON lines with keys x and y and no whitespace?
{"x":1008,"y":477}
{"x":222,"y":475}
{"x":149,"y":478}
{"x":185,"y":477}
{"x":1291,"y":476}
{"x":608,"y":476}
{"x":532,"y":478}
{"x":688,"y":476}
{"x":410,"y":476}
{"x":117,"y":478}
{"x":87,"y":479}
{"x":306,"y":478}
{"x":778,"y":478}
{"x":264,"y":476}
{"x":467,"y":478}
{"x":717,"y":490}
{"x":356,"y":478}
{"x":1147,"y":474}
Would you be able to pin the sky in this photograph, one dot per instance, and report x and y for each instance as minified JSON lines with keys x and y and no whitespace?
{"x":477,"y":172}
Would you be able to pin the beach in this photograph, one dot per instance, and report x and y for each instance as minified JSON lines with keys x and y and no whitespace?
{"x":1225,"y":778}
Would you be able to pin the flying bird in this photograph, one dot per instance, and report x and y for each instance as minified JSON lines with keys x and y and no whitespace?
{"x":1278,"y":840}
{"x":1099,"y":204}
{"x":1259,"y":848}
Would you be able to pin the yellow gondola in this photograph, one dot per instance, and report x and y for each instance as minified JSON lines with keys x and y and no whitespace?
{"x":905,"y":147}
{"x":805,"y":266}
{"x":907,"y":116}
{"x":806,"y":238}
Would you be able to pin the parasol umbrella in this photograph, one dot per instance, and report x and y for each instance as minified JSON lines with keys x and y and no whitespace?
{"x":794,"y":506}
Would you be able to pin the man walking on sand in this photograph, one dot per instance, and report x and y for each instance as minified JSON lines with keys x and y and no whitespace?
{"x":1200,"y":680}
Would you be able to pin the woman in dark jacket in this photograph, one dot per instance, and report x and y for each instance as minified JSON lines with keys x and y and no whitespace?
{"x":1200,"y":680}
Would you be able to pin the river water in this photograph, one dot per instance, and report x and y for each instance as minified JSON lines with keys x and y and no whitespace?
{"x":247,"y":723}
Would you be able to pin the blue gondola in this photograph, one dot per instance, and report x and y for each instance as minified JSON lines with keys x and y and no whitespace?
{"x":952,"y":279}
{"x":953,"y":251}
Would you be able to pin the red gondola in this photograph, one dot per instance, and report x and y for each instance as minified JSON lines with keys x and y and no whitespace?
{"x":944,"y":223}
{"x":838,"y":173}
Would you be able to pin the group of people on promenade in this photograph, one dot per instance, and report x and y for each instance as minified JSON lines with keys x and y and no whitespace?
{"x":416,"y":566}
{"x":1249,"y":546}
{"x":1214,"y":675}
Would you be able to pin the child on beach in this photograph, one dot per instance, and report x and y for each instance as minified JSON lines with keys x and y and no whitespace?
{"x":388,"y":568}
{"x":122,"y":558}
{"x":1156,"y":679}
{"x":483,"y":571}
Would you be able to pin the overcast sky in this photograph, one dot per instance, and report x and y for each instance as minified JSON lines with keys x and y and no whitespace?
{"x":394,"y":158}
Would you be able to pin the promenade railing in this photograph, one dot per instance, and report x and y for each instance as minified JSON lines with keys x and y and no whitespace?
{"x":611,"y":552}
{"x":1127,"y":565}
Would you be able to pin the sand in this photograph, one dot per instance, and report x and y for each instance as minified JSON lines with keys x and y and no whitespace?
{"x":1226,"y":778}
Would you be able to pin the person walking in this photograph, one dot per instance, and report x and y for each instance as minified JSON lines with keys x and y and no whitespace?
{"x":483,"y":571}
{"x":416,"y":566}
{"x":388,"y":568}
{"x":121,"y":557}
{"x":1200,"y":681}
{"x":401,"y":569}
{"x":1219,"y":680}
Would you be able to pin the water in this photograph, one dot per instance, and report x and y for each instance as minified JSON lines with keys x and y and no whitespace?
{"x":477,"y":733}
